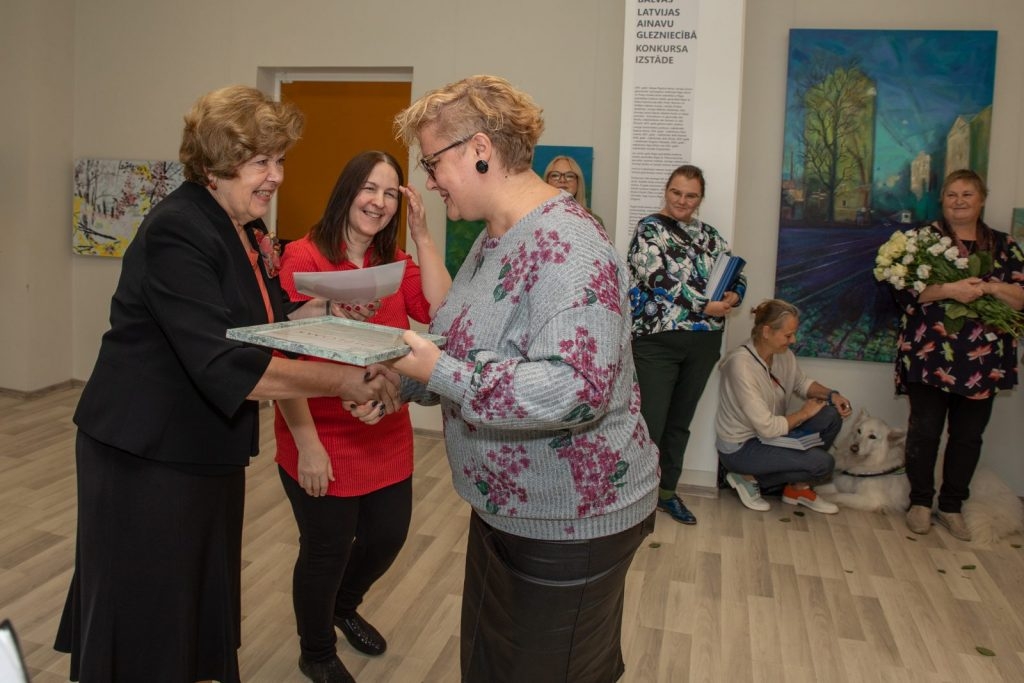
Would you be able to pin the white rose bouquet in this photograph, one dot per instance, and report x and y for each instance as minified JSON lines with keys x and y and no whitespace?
{"x":922,"y":257}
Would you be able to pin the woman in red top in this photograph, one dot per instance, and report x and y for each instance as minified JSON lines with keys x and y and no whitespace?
{"x":350,"y":483}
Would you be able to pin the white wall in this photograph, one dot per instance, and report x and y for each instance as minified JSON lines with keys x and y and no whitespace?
{"x":35,"y":192}
{"x":128,"y":71}
{"x":768,"y":22}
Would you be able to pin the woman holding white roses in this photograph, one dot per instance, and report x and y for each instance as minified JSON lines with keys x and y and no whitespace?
{"x":950,"y":362}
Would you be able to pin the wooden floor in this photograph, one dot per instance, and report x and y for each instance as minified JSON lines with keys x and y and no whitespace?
{"x":742,"y":596}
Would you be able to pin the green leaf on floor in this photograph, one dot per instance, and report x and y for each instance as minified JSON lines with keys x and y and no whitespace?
{"x":784,"y":520}
{"x":799,"y":513}
{"x":849,"y":571}
{"x":655,"y":544}
{"x":942,"y":571}
{"x":968,"y":566}
{"x":984,"y":651}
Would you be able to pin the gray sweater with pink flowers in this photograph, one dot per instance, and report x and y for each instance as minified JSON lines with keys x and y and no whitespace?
{"x":538,"y":393}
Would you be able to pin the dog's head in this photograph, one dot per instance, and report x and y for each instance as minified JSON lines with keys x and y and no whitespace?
{"x":871,"y":446}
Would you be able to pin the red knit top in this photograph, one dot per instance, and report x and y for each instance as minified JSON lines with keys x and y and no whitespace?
{"x":365,"y":458}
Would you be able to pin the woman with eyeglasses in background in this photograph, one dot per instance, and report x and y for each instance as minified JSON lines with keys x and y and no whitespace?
{"x":541,"y":411}
{"x":677,"y":329}
{"x":350,"y":483}
{"x":565,"y":173}
{"x":170,"y":416}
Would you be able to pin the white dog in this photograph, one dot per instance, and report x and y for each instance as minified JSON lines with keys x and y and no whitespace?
{"x":870,"y":476}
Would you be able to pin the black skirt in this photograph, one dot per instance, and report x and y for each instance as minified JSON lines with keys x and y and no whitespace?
{"x":544,"y":611}
{"x":156,"y":591}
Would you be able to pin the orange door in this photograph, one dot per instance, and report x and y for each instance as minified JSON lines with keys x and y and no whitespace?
{"x":342,"y":119}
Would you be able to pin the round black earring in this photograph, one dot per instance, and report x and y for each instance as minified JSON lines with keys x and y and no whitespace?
{"x":481,"y":166}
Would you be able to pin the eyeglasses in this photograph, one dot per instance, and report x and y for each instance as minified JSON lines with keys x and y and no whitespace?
{"x":557,"y":177}
{"x":429,"y":162}
{"x":270,"y":250}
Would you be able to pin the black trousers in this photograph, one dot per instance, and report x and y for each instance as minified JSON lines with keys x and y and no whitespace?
{"x":544,"y":611}
{"x":672,"y":369}
{"x":930,"y":409}
{"x":345,"y":545}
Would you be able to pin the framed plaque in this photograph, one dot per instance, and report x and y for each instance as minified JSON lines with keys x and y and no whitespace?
{"x":340,"y":339}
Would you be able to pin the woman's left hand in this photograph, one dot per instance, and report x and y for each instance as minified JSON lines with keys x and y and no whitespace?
{"x":717,"y":309}
{"x":416,"y":214}
{"x":420,"y":361}
{"x":368,"y":413}
{"x":842,"y":404}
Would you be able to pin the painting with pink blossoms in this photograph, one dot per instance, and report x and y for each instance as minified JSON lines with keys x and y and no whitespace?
{"x":111,"y":197}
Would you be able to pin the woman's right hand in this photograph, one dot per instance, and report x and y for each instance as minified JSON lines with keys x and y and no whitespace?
{"x":360,"y":312}
{"x":314,"y":471}
{"x":373,"y":383}
{"x":965,"y":291}
{"x":811,"y":407}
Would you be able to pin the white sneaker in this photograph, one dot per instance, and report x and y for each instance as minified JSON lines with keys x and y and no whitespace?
{"x":748,"y":491}
{"x":807,"y":497}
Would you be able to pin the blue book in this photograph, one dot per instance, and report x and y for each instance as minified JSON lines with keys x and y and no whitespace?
{"x":723,"y":276}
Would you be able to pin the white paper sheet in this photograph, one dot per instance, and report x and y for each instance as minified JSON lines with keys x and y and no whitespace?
{"x":357,"y":286}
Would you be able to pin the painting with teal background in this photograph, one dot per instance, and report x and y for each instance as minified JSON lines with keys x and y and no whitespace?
{"x":460,"y":235}
{"x":875,"y":120}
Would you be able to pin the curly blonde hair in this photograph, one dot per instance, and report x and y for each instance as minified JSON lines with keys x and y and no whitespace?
{"x":478,"y":104}
{"x":229,"y":126}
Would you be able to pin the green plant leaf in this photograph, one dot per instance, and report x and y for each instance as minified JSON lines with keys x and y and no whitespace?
{"x":968,"y":567}
{"x":955,"y":309}
{"x":784,"y":520}
{"x":654,"y":544}
{"x":984,"y":651}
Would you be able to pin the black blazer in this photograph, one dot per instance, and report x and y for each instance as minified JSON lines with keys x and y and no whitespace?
{"x":168,"y":385}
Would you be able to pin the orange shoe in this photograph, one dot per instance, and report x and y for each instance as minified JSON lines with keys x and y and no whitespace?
{"x":808,"y":498}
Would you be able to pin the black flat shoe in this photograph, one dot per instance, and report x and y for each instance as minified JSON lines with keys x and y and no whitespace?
{"x":677,"y":510}
{"x":361,"y":634}
{"x":327,"y":671}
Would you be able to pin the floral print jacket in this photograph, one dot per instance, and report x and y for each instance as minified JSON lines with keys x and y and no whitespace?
{"x":670,"y":263}
{"x":536,"y":383}
{"x":974,"y":362}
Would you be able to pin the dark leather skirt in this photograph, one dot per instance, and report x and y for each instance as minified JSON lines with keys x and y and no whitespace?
{"x":156,"y":591}
{"x":544,"y":611}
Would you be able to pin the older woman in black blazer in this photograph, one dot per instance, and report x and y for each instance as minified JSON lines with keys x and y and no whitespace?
{"x":169,"y":418}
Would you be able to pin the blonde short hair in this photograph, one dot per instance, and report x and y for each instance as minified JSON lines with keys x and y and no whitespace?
{"x":229,"y":126}
{"x":773,"y":313}
{"x":478,"y":104}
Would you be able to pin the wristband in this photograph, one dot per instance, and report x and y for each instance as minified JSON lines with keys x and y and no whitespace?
{"x":328,"y":307}
{"x":831,"y":393}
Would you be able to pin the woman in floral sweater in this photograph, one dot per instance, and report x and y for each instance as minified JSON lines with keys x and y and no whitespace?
{"x":949,"y":376}
{"x":540,"y":406}
{"x":677,"y":328}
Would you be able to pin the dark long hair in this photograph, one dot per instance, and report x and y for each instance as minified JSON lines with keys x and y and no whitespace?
{"x":328,"y":234}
